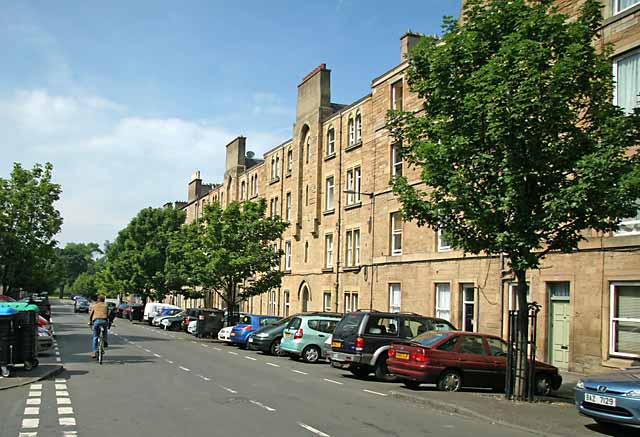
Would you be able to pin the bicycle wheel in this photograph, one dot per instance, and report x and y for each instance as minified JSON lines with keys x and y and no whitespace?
{"x":101,"y":346}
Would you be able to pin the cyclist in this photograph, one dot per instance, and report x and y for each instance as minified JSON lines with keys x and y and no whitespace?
{"x":99,"y":317}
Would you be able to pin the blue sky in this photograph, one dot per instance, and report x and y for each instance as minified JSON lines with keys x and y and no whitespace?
{"x":128,"y":98}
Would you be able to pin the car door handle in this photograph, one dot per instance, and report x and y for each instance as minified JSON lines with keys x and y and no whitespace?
{"x":320,"y":335}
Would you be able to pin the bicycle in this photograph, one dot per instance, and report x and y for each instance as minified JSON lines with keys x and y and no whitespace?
{"x":100,"y":350}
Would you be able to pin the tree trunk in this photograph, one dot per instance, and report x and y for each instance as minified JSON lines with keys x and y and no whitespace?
{"x":521,"y":358}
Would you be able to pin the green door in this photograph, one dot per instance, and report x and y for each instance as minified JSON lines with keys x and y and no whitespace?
{"x":560,"y":333}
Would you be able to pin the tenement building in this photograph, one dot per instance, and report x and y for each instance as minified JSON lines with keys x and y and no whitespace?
{"x":348,"y":248}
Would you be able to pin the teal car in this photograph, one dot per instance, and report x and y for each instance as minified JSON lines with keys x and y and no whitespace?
{"x":305,"y":335}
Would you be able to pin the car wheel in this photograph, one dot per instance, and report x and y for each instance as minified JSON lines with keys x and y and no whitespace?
{"x":360,"y":372}
{"x":413,"y":385}
{"x":543,"y":385}
{"x":274,"y":349}
{"x":382,"y":371}
{"x":28,"y":365}
{"x":311,"y":354}
{"x":450,"y":380}
{"x":6,"y":372}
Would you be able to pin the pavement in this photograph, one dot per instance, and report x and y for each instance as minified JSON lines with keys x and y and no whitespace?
{"x":165,"y":383}
{"x":20,"y":377}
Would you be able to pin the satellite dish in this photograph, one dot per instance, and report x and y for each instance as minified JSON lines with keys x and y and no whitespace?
{"x":250,"y":155}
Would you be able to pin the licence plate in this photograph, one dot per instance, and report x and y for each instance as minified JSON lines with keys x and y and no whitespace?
{"x":250,"y":339}
{"x":601,"y":400}
{"x":287,"y":334}
{"x":336,"y":344}
{"x":402,"y":355}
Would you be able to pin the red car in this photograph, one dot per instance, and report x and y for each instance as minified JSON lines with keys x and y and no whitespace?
{"x":453,"y":360}
{"x":5,"y":298}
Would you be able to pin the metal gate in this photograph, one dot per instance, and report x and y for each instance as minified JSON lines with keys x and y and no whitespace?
{"x":522,"y":341}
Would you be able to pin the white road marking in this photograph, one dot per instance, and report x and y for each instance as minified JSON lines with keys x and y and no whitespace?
{"x":35,"y":386}
{"x":193,"y":341}
{"x":27,"y":434}
{"x":63,"y":401}
{"x":35,"y":394}
{"x":65,"y":410}
{"x":57,"y":353}
{"x":233,"y":353}
{"x":67,"y":421}
{"x":147,"y":350}
{"x":251,"y":358}
{"x":156,"y":355}
{"x":375,"y":392}
{"x":30,"y":423}
{"x":204,"y":377}
{"x":69,"y":433}
{"x":272,"y":365}
{"x":169,"y":361}
{"x":204,"y":345}
{"x":217,"y":348}
{"x":313,"y":430}
{"x":228,"y":389}
{"x":62,"y":394}
{"x":61,"y":386}
{"x":185,"y":369}
{"x":33,"y":401}
{"x":59,"y":380}
{"x":333,"y":382}
{"x":299,"y":371}
{"x":261,"y":405}
{"x":32,"y":411}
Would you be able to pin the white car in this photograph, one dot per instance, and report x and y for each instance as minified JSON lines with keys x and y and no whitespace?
{"x":191,"y":327}
{"x":225,"y":334}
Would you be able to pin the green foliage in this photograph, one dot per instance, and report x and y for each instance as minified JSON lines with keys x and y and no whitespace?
{"x":519,"y":143}
{"x":28,"y":223}
{"x":230,"y":251}
{"x":85,"y":285}
{"x":136,"y":259}
{"x":75,"y":259}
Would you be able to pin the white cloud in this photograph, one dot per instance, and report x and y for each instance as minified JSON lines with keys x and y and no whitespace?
{"x":112,"y":163}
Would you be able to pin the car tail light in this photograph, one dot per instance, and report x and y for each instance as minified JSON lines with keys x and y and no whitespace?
{"x":420,"y":356}
{"x":359,"y":343}
{"x":298,"y":334}
{"x":248,"y":328}
{"x":200,"y":317}
{"x":391,"y":353}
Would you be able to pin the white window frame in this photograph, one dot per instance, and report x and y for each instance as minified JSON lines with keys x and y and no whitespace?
{"x":350,"y":301}
{"x":353,"y":248}
{"x":443,"y":311}
{"x":396,"y":166}
{"x":326,"y":301}
{"x":394,"y":97}
{"x":613,"y":319}
{"x":464,"y":287}
{"x":289,"y":206}
{"x":289,"y":161}
{"x":396,"y":216}
{"x":352,"y":131}
{"x":630,"y":221}
{"x":616,"y":7}
{"x":513,"y":295}
{"x":272,"y":303}
{"x":274,"y":171}
{"x":329,"y":194}
{"x":358,"y":127}
{"x":286,"y":298}
{"x":328,"y":251}
{"x":395,"y":290}
{"x":442,"y":247}
{"x":331,"y":142}
{"x":354,"y":182}
{"x":356,"y":247}
{"x":287,"y":255}
{"x":634,"y":52}
{"x":349,"y":256}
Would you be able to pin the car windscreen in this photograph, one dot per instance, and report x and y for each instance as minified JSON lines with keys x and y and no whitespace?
{"x":245,"y":320}
{"x":430,"y":338}
{"x":348,"y":325}
{"x":268,"y":321}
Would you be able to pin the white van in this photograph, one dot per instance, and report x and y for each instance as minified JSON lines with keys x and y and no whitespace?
{"x":151,"y":310}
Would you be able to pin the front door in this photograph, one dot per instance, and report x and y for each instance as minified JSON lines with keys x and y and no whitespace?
{"x":560,"y":333}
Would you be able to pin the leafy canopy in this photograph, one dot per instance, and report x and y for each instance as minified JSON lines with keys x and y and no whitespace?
{"x":519,"y":145}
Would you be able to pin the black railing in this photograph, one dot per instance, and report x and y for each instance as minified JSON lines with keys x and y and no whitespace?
{"x":521,"y":367}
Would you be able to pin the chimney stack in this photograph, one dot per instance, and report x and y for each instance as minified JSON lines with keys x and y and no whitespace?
{"x":407,"y":42}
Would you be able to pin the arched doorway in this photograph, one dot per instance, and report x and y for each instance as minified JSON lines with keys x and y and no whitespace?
{"x":304,"y":295}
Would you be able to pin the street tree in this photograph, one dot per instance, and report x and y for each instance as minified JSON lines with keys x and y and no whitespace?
{"x":518,"y":142}
{"x":75,"y":259}
{"x":136,"y":259}
{"x":231,"y":251}
{"x":29,"y":221}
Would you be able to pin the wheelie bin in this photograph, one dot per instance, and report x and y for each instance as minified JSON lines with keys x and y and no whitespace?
{"x":8,"y":337}
{"x":26,"y":332}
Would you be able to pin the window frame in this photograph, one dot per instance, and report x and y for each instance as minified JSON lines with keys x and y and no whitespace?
{"x":287,"y":255}
{"x":398,"y":84}
{"x":286,"y":298}
{"x":350,"y":302}
{"x":396,"y":164}
{"x":616,"y":7}
{"x":331,"y":141}
{"x":354,"y":185}
{"x":395,"y":251}
{"x":328,"y":251}
{"x":289,"y":201}
{"x":632,"y":221}
{"x":325,"y":307}
{"x":439,"y":308}
{"x":289,"y":161}
{"x":358,"y":128}
{"x":352,"y":256}
{"x":612,"y":319}
{"x":351,"y":130}
{"x":443,"y":247}
{"x":395,"y":308}
{"x":329,"y":193}
{"x":632,"y":53}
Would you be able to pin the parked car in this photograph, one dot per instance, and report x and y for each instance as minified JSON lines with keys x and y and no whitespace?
{"x":152,"y":310}
{"x":136,"y":312}
{"x":362,"y":338}
{"x":5,"y":298}
{"x":224,"y":334}
{"x":173,"y":323}
{"x":167,"y":312}
{"x":453,"y":360}
{"x":249,"y":323}
{"x":81,"y":306}
{"x":267,"y":339}
{"x":209,"y":323}
{"x":42,"y":301}
{"x":327,"y":348}
{"x":45,"y":340}
{"x":305,"y":335}
{"x":120,"y":310}
{"x":192,"y":314}
{"x":611,"y":398}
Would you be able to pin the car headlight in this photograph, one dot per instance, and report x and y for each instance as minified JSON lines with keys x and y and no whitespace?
{"x":261,"y":335}
{"x":580,"y":384}
{"x":633,"y":394}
